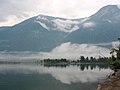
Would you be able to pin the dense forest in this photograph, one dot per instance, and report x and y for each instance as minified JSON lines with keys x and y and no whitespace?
{"x":81,"y":60}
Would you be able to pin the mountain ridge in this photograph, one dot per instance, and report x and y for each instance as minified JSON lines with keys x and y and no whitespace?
{"x":44,"y":33}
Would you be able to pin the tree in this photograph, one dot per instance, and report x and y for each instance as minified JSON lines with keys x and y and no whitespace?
{"x":82,"y":59}
{"x":116,"y":51}
{"x":87,"y":59}
{"x":115,"y":62}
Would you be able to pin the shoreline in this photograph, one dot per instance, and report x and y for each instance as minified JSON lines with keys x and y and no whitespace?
{"x":47,"y":63}
{"x":111,"y":83}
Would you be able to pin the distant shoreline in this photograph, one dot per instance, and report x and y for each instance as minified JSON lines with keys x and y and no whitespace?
{"x":46,"y":63}
{"x":17,"y":62}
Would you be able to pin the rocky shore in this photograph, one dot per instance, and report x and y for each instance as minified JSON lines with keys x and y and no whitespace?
{"x":111,"y":83}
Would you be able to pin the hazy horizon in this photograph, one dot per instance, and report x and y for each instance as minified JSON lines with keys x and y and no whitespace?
{"x":13,"y":12}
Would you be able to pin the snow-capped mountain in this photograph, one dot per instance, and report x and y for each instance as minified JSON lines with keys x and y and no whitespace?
{"x":58,"y":24}
{"x":44,"y":33}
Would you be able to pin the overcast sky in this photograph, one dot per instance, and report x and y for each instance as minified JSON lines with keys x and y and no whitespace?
{"x":14,"y":11}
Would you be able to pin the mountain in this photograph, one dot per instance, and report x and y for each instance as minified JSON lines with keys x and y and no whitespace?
{"x":4,"y":27}
{"x":43,"y":33}
{"x":29,"y":36}
{"x":101,"y":27}
{"x":110,"y":13}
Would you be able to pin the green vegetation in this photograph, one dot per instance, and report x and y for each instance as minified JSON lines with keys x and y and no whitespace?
{"x":82,"y":60}
{"x":115,"y":59}
{"x":94,"y":60}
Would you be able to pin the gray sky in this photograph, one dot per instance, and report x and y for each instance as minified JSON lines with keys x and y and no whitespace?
{"x":15,"y":11}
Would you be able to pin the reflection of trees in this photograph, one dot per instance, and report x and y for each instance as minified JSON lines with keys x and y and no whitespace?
{"x":83,"y":63}
{"x":93,"y":66}
{"x":82,"y":67}
{"x":87,"y":66}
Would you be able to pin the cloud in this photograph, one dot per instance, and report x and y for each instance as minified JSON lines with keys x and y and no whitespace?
{"x":22,"y":9}
{"x":115,"y":44}
{"x":89,"y":24}
{"x":74,"y":51}
{"x":15,"y":11}
{"x":65,"y":50}
{"x":103,"y":44}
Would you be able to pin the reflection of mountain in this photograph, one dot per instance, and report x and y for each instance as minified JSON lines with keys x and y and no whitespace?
{"x":43,"y":33}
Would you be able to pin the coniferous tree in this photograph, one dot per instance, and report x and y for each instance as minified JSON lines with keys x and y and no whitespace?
{"x":82,"y":59}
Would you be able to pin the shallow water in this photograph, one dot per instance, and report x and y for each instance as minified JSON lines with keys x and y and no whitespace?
{"x":40,"y":77}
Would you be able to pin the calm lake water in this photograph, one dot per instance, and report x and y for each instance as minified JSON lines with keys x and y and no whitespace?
{"x":41,"y":77}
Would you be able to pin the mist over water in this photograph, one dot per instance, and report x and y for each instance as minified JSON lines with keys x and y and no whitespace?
{"x":66,"y":50}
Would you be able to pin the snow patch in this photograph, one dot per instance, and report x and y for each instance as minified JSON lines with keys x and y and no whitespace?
{"x":66,"y":25}
{"x":41,"y":18}
{"x":43,"y":25}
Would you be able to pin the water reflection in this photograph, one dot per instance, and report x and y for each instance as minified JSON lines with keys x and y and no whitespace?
{"x":82,"y":66}
{"x":65,"y":74}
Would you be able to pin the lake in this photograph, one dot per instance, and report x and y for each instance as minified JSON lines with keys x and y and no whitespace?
{"x":42,"y":77}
